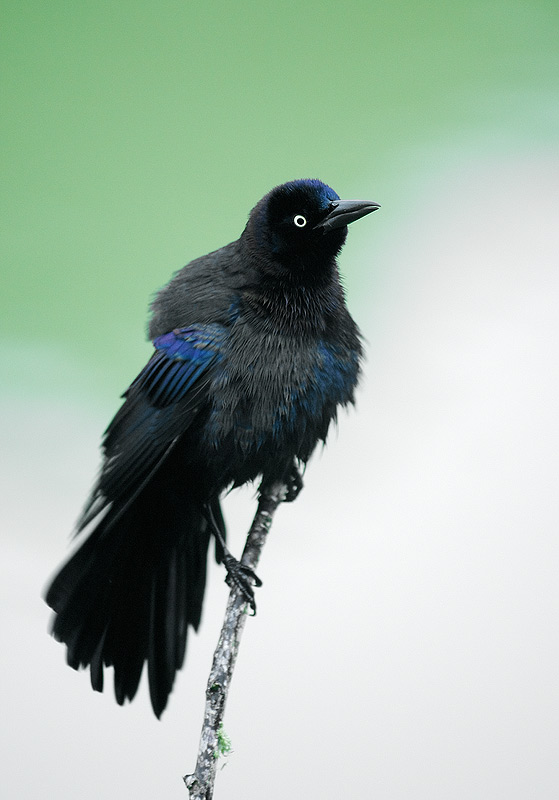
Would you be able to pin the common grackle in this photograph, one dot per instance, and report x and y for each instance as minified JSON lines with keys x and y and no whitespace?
{"x":254,"y":352}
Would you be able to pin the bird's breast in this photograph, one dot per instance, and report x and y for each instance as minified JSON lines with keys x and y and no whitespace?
{"x":273,"y":397}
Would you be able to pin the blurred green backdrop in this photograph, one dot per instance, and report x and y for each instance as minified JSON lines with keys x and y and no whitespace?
{"x":138,"y":135}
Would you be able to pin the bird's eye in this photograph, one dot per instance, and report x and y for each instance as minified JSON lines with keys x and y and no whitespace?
{"x":299,"y":220}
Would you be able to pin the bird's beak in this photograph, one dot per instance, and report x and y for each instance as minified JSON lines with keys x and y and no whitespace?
{"x":342,"y":212}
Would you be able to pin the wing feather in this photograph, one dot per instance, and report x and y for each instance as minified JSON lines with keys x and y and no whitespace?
{"x":159,"y":407}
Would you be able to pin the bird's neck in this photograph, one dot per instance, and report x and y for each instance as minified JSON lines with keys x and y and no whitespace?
{"x":288,"y":292}
{"x":297,"y":308}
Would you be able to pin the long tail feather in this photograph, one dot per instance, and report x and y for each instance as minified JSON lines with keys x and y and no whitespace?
{"x":128,"y":595}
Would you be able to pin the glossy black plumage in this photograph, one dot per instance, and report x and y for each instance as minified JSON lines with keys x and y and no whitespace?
{"x":254,"y":352}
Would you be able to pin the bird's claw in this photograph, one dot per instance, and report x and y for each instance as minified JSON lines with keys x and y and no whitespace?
{"x":294,"y":483}
{"x":243,"y":578}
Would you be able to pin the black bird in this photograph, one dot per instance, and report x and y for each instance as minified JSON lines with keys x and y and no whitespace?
{"x":254,"y":352}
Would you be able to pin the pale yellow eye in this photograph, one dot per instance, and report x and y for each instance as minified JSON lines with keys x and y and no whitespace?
{"x":299,"y":220}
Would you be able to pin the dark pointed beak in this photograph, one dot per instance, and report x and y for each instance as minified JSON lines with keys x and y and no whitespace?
{"x":342,"y":212}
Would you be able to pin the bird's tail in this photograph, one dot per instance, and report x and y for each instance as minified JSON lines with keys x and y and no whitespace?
{"x":132,"y":589}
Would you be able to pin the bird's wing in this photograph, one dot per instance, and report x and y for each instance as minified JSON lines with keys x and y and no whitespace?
{"x":160,"y":405}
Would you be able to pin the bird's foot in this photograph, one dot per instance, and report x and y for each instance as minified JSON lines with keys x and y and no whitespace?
{"x":238,"y":575}
{"x":241,"y":577}
{"x":294,"y":483}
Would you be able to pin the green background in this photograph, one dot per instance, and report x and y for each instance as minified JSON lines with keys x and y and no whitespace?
{"x":136,"y":136}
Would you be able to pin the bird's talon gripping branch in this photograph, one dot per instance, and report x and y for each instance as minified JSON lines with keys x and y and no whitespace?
{"x":243,"y":578}
{"x":239,"y":575}
{"x":294,"y":485}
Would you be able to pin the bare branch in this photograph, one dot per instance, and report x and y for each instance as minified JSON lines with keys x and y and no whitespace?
{"x":201,"y":782}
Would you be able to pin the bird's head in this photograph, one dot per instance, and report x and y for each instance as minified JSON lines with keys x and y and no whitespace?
{"x":303,"y":222}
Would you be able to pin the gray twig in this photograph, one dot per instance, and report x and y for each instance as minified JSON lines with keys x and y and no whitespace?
{"x":201,"y":782}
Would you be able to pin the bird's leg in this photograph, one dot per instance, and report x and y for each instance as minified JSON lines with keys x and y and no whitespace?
{"x":294,"y":483}
{"x":244,"y":578}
